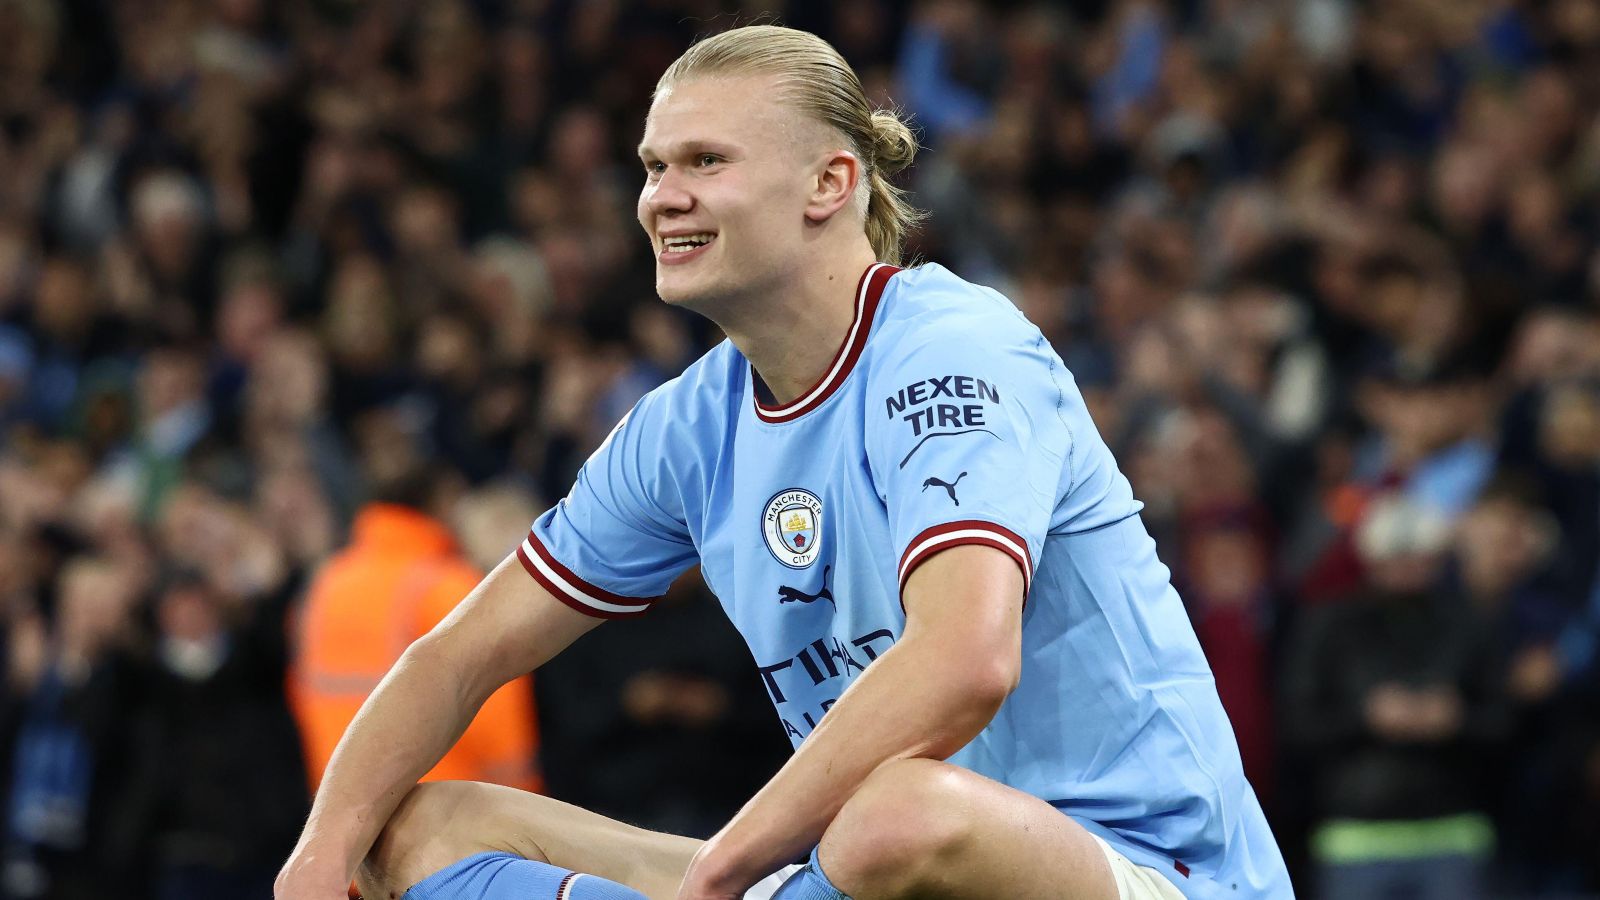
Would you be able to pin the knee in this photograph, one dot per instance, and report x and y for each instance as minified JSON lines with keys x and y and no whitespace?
{"x":905,"y":826}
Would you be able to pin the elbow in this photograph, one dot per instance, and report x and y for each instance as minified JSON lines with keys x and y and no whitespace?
{"x":994,"y":680}
{"x":981,"y":691}
{"x":430,"y":660}
{"x":989,"y":675}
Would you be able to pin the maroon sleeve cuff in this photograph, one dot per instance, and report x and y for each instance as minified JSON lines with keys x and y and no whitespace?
{"x":567,"y":587}
{"x":968,"y":531}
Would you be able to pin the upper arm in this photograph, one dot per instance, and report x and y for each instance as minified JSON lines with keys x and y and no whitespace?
{"x":966,"y":605}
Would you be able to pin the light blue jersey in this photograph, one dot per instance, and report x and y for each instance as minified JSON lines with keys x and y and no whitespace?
{"x":945,"y":419}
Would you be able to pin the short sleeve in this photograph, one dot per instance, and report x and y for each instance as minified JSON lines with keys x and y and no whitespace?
{"x":614,"y":544}
{"x":968,"y":442}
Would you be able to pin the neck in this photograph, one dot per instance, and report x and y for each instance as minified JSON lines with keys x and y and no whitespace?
{"x":791,"y":335}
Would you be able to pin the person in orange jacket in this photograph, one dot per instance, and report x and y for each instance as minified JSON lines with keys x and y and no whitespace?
{"x":400,"y":575}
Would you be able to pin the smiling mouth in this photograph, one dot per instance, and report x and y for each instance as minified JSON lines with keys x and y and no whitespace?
{"x":686,"y":243}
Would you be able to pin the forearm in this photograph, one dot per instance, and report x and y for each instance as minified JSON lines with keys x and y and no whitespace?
{"x":411,"y":720}
{"x":911,"y":703}
{"x":508,"y":626}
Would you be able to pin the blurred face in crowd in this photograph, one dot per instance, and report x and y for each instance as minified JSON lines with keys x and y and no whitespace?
{"x":484,"y":518}
{"x":65,"y":305}
{"x":1419,"y":419}
{"x":727,"y":167}
{"x":1228,"y":566}
{"x":1499,"y":543}
{"x":167,"y":212}
{"x":1552,"y":345}
{"x":1464,"y":186}
{"x":360,"y":316}
{"x":193,"y":642}
{"x":248,"y":316}
{"x":94,"y":598}
{"x":291,"y":504}
{"x":1570,"y":426}
{"x":289,"y":383}
{"x":449,"y":350}
{"x":169,"y":379}
{"x":424,"y":221}
{"x":185,"y":612}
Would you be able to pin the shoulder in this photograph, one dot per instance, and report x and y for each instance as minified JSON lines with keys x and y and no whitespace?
{"x":930,"y":288}
{"x":931,"y":304}
{"x":933,"y":315}
{"x":704,"y":389}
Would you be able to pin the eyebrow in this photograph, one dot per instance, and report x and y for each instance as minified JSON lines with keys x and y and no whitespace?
{"x":694,"y":145}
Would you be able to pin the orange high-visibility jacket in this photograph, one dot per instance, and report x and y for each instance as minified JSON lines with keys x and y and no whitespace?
{"x":398,"y":578}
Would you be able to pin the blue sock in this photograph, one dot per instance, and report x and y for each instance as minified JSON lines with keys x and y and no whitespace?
{"x":501,"y":876}
{"x":809,"y":884}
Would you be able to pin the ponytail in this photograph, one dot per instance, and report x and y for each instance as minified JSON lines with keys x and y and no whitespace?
{"x":889,"y":214}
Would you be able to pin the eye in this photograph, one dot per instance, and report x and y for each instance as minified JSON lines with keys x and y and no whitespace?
{"x":708,"y":159}
{"x":654,"y":167}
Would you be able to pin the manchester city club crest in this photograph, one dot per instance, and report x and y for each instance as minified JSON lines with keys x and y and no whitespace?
{"x":792,"y":526}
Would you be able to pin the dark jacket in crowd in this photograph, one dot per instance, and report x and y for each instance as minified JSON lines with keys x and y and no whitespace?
{"x":66,"y":766}
{"x":1339,"y":654}
{"x":219,"y":775}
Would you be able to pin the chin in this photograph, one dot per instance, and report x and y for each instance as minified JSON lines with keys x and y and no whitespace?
{"x":690,"y":293}
{"x":674,"y":293}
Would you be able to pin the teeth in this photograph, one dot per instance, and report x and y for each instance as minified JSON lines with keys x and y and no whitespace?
{"x":682,"y":243}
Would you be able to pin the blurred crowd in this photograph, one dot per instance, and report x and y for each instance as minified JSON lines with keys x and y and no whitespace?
{"x":1326,"y":271}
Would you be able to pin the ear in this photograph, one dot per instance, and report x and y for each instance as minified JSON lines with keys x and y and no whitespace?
{"x":835,"y":184}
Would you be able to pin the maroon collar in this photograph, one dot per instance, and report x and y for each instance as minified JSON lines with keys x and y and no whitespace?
{"x":868,"y":293}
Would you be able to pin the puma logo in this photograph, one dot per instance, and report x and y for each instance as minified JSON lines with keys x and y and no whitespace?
{"x":949,"y":486}
{"x":788,"y":594}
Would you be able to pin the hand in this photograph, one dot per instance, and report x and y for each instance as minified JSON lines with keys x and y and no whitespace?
{"x":709,"y":879}
{"x":1439,"y":713}
{"x":653,"y":697}
{"x":1401,"y":714}
{"x":303,"y":879}
{"x":1388,"y":711}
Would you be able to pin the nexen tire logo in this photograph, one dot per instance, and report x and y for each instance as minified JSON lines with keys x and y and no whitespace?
{"x":792,"y":527}
{"x":915,"y":405}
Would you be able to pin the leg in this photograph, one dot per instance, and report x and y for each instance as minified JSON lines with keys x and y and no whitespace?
{"x":440,"y":823}
{"x":927,"y":829}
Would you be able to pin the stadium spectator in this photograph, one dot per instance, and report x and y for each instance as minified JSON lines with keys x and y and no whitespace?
{"x":217,"y":787}
{"x":72,"y":688}
{"x":1395,"y":696}
{"x":401,"y":574}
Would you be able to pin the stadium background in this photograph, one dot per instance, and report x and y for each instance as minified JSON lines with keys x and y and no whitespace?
{"x":1326,"y":271}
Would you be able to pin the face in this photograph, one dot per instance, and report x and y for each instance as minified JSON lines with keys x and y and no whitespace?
{"x":727,"y":183}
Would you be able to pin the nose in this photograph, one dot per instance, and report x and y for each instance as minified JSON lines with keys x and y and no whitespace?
{"x":668,"y":195}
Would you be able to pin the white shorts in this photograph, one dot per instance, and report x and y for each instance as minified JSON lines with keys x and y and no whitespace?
{"x":1136,"y":882}
{"x":764,"y":889}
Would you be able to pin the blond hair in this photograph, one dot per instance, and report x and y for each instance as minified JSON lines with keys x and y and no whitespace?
{"x":816,"y":80}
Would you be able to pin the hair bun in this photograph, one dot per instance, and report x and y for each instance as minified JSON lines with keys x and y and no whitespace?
{"x":893,"y":144}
